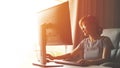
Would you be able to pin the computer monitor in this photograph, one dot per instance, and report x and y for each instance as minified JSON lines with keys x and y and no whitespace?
{"x":55,"y":28}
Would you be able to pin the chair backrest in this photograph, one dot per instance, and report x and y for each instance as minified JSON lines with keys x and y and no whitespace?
{"x":114,"y":35}
{"x":117,"y":57}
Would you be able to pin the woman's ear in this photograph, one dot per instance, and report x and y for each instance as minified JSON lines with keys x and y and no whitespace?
{"x":100,"y":30}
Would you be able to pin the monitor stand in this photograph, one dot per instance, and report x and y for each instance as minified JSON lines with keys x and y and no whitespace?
{"x":43,"y":63}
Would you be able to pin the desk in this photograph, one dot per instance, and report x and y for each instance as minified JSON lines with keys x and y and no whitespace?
{"x":66,"y":66}
{"x":92,"y":66}
{"x":56,"y":65}
{"x":71,"y":66}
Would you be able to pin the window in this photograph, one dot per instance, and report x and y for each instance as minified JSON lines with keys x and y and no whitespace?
{"x":59,"y":49}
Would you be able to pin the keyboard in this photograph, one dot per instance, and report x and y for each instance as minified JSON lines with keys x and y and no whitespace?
{"x":48,"y":64}
{"x":67,"y":63}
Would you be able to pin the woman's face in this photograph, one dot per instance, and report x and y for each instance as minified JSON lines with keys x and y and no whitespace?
{"x":84,"y":29}
{"x":87,"y":29}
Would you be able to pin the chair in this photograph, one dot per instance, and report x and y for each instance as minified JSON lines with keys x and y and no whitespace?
{"x":114,"y":35}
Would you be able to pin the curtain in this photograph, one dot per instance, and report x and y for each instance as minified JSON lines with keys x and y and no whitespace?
{"x":105,"y":10}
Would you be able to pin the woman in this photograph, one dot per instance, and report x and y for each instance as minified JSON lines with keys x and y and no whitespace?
{"x":95,"y":49}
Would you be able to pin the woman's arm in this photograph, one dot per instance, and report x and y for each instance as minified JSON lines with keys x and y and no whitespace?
{"x":66,"y":56}
{"x":95,"y":62}
{"x":91,"y":62}
{"x":77,"y":51}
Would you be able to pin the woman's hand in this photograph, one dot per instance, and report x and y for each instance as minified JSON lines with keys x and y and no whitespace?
{"x":50,"y":57}
{"x":83,"y":62}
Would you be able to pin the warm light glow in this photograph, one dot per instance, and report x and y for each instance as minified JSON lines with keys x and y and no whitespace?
{"x":56,"y":50}
{"x":44,"y":4}
{"x":59,"y":49}
{"x":19,"y":31}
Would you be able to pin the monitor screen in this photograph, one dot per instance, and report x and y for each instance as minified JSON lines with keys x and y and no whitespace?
{"x":57,"y":22}
{"x":55,"y":28}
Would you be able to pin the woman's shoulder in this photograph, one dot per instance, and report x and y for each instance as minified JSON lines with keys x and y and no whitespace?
{"x":105,"y":38}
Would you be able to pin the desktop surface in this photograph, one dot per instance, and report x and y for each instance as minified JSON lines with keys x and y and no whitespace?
{"x":66,"y":65}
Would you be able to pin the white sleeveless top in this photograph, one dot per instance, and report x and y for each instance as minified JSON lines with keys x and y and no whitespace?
{"x":93,"y":50}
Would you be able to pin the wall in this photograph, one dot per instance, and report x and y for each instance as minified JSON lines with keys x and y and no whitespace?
{"x":107,"y":12}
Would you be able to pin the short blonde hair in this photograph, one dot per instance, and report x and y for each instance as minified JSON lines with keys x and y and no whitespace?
{"x":91,"y":21}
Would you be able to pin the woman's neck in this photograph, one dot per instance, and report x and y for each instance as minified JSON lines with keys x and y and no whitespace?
{"x":93,"y":38}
